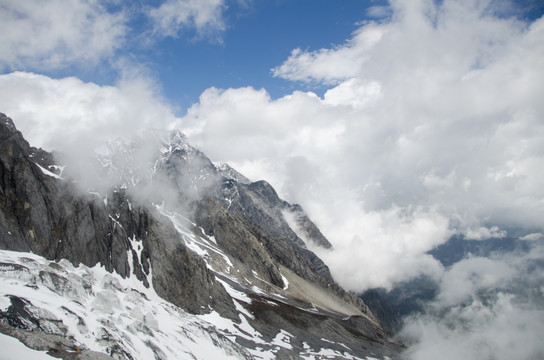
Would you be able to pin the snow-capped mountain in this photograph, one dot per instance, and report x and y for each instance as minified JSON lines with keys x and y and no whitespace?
{"x":178,"y":258}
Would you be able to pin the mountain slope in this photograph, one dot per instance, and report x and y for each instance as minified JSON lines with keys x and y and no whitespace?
{"x":177,"y":249}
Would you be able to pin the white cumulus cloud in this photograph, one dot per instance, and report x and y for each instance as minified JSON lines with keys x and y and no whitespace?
{"x":432,"y":125}
{"x":173,"y":16}
{"x":57,"y":33}
{"x":78,"y":118}
{"x":331,"y":65}
{"x":69,"y":114}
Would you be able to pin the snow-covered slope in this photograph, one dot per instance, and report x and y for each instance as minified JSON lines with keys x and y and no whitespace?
{"x":103,"y":312}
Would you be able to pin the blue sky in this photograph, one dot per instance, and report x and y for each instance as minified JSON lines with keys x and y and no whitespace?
{"x":259,"y":36}
{"x":256,"y":36}
{"x":253,"y":38}
{"x":257,"y":39}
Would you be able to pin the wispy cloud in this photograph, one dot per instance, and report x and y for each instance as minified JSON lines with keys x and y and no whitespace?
{"x":174,"y":16}
{"x":78,"y":119}
{"x":67,"y":114}
{"x":57,"y":33}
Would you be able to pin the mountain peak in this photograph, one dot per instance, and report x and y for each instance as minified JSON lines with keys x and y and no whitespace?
{"x":6,"y":121}
{"x":215,"y":253}
{"x":228,"y":172}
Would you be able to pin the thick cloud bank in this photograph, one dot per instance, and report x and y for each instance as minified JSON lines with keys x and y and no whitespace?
{"x":433,"y":126}
{"x":70,"y":115}
{"x":487,"y":308}
{"x":80,"y":119}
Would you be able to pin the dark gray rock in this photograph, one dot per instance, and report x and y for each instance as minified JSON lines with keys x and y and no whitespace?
{"x":310,"y":230}
{"x":180,"y":276}
{"x":260,"y":204}
{"x":354,"y":332}
{"x":43,"y":214}
{"x":187,"y":169}
{"x":247,"y":221}
{"x":232,"y":234}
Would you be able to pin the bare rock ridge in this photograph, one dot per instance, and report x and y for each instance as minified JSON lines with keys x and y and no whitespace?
{"x":207,"y":236}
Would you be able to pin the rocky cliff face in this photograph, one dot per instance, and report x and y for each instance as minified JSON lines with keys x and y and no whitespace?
{"x":42,"y":213}
{"x":200,"y":236}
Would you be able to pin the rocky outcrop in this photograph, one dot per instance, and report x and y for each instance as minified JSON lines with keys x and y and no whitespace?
{"x":195,"y":178}
{"x":308,"y":228}
{"x":232,"y":234}
{"x":41,"y":214}
{"x":261,"y":205}
{"x":180,"y":276}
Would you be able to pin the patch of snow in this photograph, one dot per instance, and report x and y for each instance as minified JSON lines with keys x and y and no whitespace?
{"x":138,"y":247}
{"x":14,"y":349}
{"x":212,"y":238}
{"x":256,"y":275}
{"x":238,"y":297}
{"x":235,"y":294}
{"x":57,"y":167}
{"x":285,"y":281}
{"x":327,"y":340}
{"x":283,"y":339}
{"x":115,"y":221}
{"x":271,"y":303}
{"x":203,"y":245}
{"x":232,"y":330}
{"x":49,"y":173}
{"x":4,"y":303}
{"x":258,"y":291}
{"x":328,"y":354}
